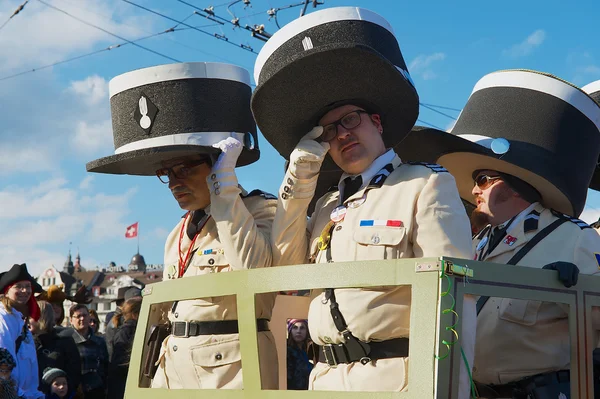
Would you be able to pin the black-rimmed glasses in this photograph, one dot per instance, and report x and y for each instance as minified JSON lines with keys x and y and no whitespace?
{"x":349,"y":121}
{"x":179,"y":171}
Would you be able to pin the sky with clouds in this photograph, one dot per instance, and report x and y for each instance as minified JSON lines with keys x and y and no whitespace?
{"x":57,"y":118}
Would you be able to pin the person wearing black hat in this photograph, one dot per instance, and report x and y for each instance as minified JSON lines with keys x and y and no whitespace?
{"x":354,"y":85}
{"x":191,"y":127}
{"x":17,"y":307}
{"x":523,"y":151}
{"x":115,"y":319}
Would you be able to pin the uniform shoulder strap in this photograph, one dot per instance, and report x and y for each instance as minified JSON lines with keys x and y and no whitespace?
{"x":524,"y":251}
{"x":433,"y":166}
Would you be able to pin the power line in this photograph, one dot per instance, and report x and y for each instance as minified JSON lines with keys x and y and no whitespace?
{"x":18,"y":10}
{"x":171,"y":39}
{"x":439,"y":112}
{"x":110,"y":33}
{"x":258,"y":31}
{"x":112,"y":47}
{"x":217,"y":36}
{"x":442,"y":107}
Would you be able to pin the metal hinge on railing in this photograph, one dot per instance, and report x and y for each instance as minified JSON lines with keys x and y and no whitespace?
{"x":428,"y":266}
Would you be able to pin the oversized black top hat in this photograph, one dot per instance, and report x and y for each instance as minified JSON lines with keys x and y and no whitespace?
{"x":593,"y":90}
{"x":528,"y":124}
{"x":15,"y":274}
{"x":176,"y":110}
{"x":333,"y":55}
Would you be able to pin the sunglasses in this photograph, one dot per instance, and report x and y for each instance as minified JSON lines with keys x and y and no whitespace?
{"x":179,"y":171}
{"x":483,"y":181}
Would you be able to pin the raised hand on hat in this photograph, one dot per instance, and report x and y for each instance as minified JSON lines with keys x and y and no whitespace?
{"x":307,"y":157}
{"x":230,"y":152}
{"x":223,"y":176}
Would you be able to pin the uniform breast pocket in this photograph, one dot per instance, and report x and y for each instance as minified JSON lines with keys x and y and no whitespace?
{"x":519,"y":311}
{"x":204,"y":263}
{"x":379,"y":242}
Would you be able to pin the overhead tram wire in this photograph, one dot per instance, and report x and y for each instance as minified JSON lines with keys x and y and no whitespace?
{"x":442,"y":107}
{"x":258,"y":31}
{"x":187,"y":46}
{"x":112,"y":47}
{"x":216,"y":36}
{"x":18,"y":10}
{"x":436,"y":111}
{"x":110,"y":33}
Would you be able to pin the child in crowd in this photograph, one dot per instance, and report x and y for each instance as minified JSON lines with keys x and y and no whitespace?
{"x":56,"y":380}
{"x":8,"y":386}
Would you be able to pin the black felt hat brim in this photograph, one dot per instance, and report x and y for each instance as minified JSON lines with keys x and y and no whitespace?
{"x":288,"y":104}
{"x":15,"y":274}
{"x":147,"y":161}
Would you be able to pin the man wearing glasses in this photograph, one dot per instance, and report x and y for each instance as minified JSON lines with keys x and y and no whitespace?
{"x":191,"y":127}
{"x":382,"y":208}
{"x":524,"y":150}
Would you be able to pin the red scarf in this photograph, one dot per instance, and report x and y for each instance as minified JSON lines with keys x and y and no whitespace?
{"x":32,"y":305}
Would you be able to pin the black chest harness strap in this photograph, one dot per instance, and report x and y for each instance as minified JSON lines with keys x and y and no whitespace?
{"x":524,"y":251}
{"x":353,"y":349}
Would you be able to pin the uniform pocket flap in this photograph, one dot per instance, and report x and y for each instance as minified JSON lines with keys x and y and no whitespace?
{"x":217,"y":354}
{"x":379,"y":235}
{"x":209,"y":258}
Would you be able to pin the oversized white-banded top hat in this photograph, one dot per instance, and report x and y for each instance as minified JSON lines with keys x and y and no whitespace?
{"x":593,"y":90}
{"x":327,"y":58}
{"x":175,"y":110}
{"x":528,"y":124}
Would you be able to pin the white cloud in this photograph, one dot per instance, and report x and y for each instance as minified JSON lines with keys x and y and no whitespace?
{"x":524,"y":48}
{"x":86,"y":183}
{"x":91,"y":137}
{"x":422,"y":65}
{"x":41,"y":35}
{"x":51,"y":214}
{"x":92,"y":90}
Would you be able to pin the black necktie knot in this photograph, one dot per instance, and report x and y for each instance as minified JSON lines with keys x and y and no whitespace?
{"x":192,"y":227}
{"x":351,"y":186}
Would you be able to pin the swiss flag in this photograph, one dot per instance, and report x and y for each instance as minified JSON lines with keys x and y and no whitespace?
{"x":132,"y":231}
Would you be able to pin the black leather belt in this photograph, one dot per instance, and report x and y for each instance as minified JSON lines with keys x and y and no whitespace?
{"x":334,"y":354}
{"x":522,"y":388}
{"x":194,"y":328}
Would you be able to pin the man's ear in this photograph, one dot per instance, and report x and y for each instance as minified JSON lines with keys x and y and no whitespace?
{"x":376,"y":118}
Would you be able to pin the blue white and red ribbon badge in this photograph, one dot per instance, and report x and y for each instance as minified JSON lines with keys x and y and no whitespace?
{"x":510,"y":240}
{"x":388,"y":223}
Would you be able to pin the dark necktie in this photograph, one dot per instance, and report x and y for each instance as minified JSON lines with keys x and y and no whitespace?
{"x":351,"y":186}
{"x":192,"y":227}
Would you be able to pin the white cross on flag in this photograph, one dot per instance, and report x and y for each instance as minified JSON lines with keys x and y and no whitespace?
{"x":132,"y":231}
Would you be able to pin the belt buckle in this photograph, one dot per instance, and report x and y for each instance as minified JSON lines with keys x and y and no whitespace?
{"x":331,"y":362}
{"x":186,"y":329}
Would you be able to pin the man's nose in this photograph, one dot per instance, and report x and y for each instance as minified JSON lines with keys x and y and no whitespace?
{"x":342,"y":133}
{"x":476,"y":190}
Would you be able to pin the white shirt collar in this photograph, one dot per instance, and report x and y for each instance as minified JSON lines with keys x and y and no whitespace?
{"x":378,"y":164}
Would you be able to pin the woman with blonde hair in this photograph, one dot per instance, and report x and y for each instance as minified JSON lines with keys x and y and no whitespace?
{"x":54,"y":351}
{"x":17,"y":306}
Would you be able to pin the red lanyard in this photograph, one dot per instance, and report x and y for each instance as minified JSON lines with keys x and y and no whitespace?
{"x":184,"y":261}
